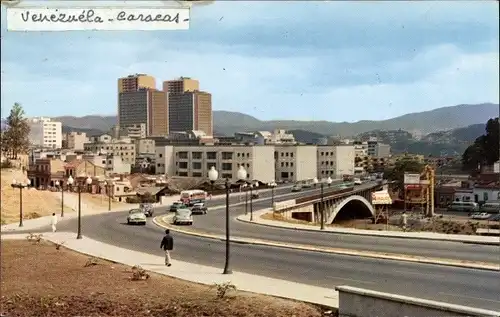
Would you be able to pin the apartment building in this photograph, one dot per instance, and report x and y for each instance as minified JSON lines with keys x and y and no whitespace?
{"x":134,"y":131}
{"x":112,"y":164}
{"x":335,"y":160}
{"x":196,"y":161}
{"x":145,"y":146}
{"x":136,"y":82}
{"x":103,"y":138}
{"x":76,"y":140}
{"x":181,"y":85}
{"x":295,"y":162}
{"x":377,"y":149}
{"x":45,"y":133}
{"x":121,"y":148}
{"x":191,"y":110}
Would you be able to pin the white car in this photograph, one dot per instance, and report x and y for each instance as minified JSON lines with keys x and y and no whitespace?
{"x":357,"y":181}
{"x":183,"y":216}
{"x":136,"y":216}
{"x":480,"y":215}
{"x":272,"y":184}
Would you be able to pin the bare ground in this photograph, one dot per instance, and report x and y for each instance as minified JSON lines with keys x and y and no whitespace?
{"x":40,"y":280}
{"x":36,"y":203}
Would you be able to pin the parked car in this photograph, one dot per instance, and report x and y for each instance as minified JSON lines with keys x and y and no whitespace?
{"x":272,"y":184}
{"x":480,"y":215}
{"x":147,"y":209}
{"x":183,"y":216}
{"x":307,"y":185}
{"x":296,"y":188}
{"x":357,"y":181}
{"x":490,"y":207}
{"x":136,"y":216}
{"x":177,"y":205}
{"x":199,"y":209}
{"x":255,"y":195}
{"x":467,"y":206}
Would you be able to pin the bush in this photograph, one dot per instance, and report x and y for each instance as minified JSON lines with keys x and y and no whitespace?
{"x":91,"y":261}
{"x":133,"y":200}
{"x":223,"y":289}
{"x":34,"y":238}
{"x":139,"y":274}
{"x":6,"y":164}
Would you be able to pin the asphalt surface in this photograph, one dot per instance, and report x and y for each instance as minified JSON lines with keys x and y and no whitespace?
{"x":475,"y":288}
{"x":214,"y":222}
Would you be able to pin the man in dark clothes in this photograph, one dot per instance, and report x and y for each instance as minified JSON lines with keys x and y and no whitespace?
{"x":167,"y":244}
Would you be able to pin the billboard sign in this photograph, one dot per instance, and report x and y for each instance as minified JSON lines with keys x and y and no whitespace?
{"x":411,"y":178}
{"x":381,"y":198}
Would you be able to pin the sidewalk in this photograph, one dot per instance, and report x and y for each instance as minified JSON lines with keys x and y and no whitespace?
{"x":193,"y":272}
{"x":389,"y":234}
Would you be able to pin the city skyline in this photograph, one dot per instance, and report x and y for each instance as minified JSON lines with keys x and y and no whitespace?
{"x":379,"y":60}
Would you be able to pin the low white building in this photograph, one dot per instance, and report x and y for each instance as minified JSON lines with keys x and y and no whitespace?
{"x":295,"y":162}
{"x":335,"y":160}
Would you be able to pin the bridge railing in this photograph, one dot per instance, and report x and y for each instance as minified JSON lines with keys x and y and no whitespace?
{"x":300,"y":202}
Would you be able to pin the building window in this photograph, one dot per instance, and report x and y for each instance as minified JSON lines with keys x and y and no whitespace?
{"x":183,"y":155}
{"x":182,"y":173}
{"x":227,"y":166}
{"x":196,"y":155}
{"x":291,"y":154}
{"x":291,"y":164}
{"x":160,"y":155}
{"x":282,"y":154}
{"x":284,"y":174}
{"x":196,"y":174}
{"x":227,"y":155}
{"x":183,"y":165}
{"x":282,"y":164}
{"x":196,"y":165}
{"x":226,"y":175}
{"x":211,"y":155}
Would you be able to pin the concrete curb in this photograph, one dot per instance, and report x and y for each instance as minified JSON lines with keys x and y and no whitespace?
{"x":376,"y":255}
{"x":257,"y":215}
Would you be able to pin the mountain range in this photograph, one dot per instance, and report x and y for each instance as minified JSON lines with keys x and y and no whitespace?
{"x":227,"y":123}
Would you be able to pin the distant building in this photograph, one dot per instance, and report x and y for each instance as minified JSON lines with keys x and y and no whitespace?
{"x":76,"y":140}
{"x":335,"y":161}
{"x":191,"y":110}
{"x":45,"y":133}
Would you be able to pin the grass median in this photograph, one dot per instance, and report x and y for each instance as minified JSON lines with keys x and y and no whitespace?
{"x":43,"y":279}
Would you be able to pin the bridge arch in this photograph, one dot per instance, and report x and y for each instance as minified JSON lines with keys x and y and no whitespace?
{"x":365,"y":207}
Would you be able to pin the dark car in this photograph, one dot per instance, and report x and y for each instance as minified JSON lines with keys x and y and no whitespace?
{"x":199,"y":209}
{"x":147,"y":209}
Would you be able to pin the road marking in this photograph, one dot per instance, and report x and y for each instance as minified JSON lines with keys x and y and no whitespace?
{"x":350,"y":279}
{"x":471,"y":297}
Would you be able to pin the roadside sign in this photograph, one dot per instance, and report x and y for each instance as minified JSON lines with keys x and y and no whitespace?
{"x":411,"y":178}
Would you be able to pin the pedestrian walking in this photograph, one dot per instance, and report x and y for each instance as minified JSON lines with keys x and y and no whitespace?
{"x":404,"y":220}
{"x":167,"y":244}
{"x":54,"y":222}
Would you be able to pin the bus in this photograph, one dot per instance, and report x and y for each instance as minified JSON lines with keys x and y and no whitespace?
{"x":194,"y":196}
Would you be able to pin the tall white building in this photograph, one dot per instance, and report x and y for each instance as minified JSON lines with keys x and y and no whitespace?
{"x":45,"y":133}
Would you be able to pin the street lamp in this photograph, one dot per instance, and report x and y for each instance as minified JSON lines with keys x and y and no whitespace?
{"x":272,"y":193}
{"x":20,"y":185}
{"x":213,"y":175}
{"x":109,"y":184}
{"x":88,"y":181}
{"x":251,"y":199}
{"x":62,"y":196}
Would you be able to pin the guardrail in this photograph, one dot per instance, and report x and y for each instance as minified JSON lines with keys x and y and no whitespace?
{"x":361,"y":302}
{"x":317,"y":198}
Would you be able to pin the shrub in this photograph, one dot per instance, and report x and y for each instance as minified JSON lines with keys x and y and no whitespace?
{"x":133,"y":200}
{"x":34,"y":238}
{"x":139,"y":274}
{"x":223,"y":289}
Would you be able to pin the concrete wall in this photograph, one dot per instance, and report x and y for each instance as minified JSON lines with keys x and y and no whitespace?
{"x":358,"y":302}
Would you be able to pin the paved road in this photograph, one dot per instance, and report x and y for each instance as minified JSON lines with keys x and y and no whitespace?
{"x":455,"y":285}
{"x":214,"y":222}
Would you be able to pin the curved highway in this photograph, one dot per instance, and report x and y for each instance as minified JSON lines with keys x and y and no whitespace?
{"x":214,"y":222}
{"x":475,"y":288}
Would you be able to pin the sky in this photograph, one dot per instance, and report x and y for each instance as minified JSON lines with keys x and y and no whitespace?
{"x":302,"y":60}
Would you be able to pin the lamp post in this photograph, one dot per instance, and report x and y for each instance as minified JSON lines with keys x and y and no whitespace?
{"x":88,"y":181}
{"x":109,"y":184}
{"x":20,"y":185}
{"x":213,"y":175}
{"x":272,"y":193}
{"x":246,"y":202}
{"x":62,"y":196}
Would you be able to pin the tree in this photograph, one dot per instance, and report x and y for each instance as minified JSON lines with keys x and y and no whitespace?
{"x":397,"y":173}
{"x":15,"y":138}
{"x":484,"y":150}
